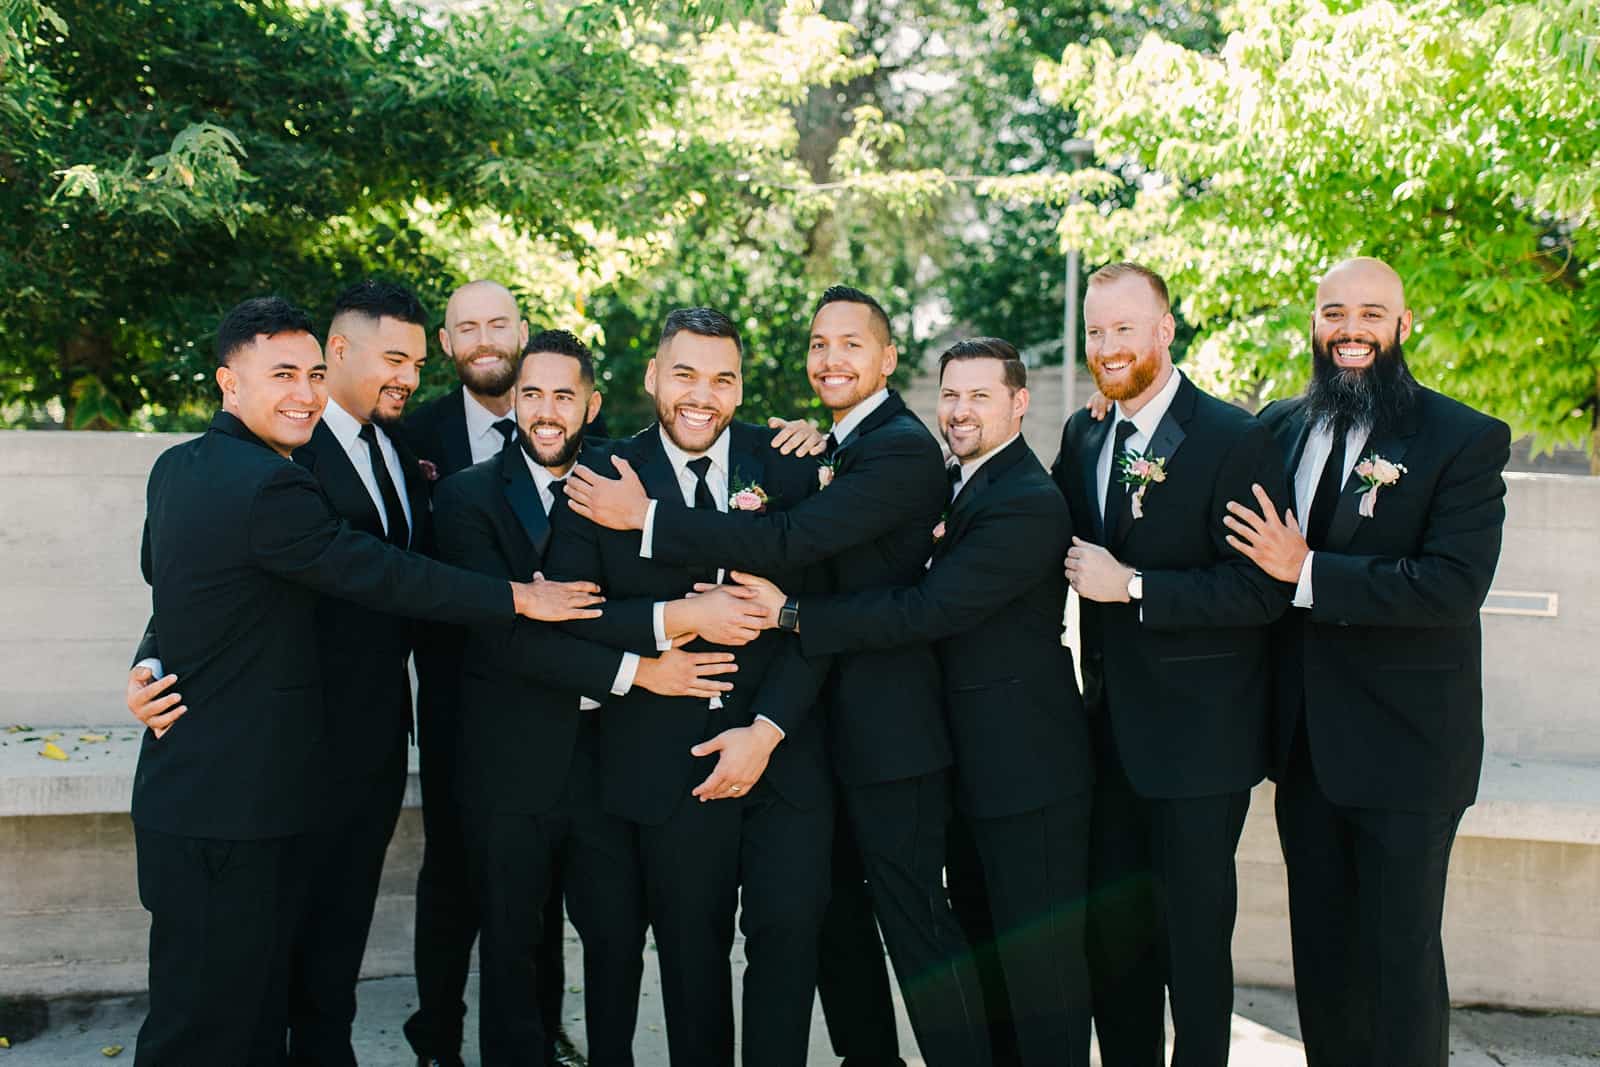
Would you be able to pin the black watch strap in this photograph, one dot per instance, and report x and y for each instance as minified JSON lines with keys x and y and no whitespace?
{"x":789,"y":615}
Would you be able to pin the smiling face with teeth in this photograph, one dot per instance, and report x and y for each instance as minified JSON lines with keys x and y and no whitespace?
{"x":697,"y":386}
{"x":850,"y":357}
{"x":553,"y":404}
{"x":1128,"y":333}
{"x":484,"y":335}
{"x":978,"y":411}
{"x":374,"y":365}
{"x":1361,"y":315}
{"x":277,"y":388}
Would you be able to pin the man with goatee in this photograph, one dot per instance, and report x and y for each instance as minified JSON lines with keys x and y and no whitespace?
{"x":1379,"y":718}
{"x":1175,"y":673}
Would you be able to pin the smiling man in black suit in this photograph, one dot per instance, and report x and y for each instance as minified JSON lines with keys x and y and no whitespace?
{"x":1175,"y":673}
{"x":992,"y":605}
{"x":729,"y":798}
{"x":240,"y":545}
{"x":871,"y":526}
{"x":1379,"y":724}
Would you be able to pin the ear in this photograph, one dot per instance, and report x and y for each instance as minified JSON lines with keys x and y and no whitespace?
{"x":594,"y":408}
{"x":522,"y":334}
{"x":1019,"y":402}
{"x":1169,"y":329}
{"x":650,"y":377}
{"x":444,"y":342}
{"x":336,"y":346}
{"x":891,"y":359}
{"x":1405,"y":325}
{"x":227,"y":385}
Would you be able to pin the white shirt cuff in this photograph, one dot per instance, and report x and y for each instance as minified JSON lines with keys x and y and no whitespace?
{"x":625,"y":672}
{"x":775,"y":726}
{"x":153,"y":664}
{"x":658,"y":623}
{"x":1302,"y":588}
{"x":647,"y":537}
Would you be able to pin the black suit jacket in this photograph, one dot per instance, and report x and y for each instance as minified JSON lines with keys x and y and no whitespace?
{"x":1182,"y":675}
{"x":437,"y":432}
{"x":992,"y":604}
{"x":521,"y":680}
{"x":1387,"y":665}
{"x":646,"y":768}
{"x":238,"y":545}
{"x":872,"y":526}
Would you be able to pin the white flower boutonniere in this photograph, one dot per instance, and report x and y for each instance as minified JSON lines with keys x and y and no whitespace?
{"x":825,"y":471}
{"x":1140,"y":472}
{"x":1376,"y":473}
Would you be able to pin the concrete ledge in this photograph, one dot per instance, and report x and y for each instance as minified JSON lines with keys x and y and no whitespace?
{"x":95,"y":778}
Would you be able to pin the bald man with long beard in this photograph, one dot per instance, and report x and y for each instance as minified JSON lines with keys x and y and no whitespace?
{"x":1391,"y":543}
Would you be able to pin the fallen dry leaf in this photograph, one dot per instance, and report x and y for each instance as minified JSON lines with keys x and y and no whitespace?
{"x":111,"y":1050}
{"x":52,"y":751}
{"x":93,"y":737}
{"x":18,"y":729}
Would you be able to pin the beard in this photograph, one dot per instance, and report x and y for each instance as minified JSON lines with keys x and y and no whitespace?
{"x":564,"y":455}
{"x":1146,"y":365}
{"x":488,"y":381}
{"x":1370,"y":398}
{"x":667,"y":417}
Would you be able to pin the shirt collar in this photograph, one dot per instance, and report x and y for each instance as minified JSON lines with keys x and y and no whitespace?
{"x":344,"y":425}
{"x":1149,"y":417}
{"x":541,"y":475}
{"x":480,"y":420}
{"x":969,"y":469}
{"x":847,"y":425}
{"x":680,"y":459}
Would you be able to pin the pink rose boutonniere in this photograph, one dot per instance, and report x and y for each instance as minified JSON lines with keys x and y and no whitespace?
{"x":430,"y":473}
{"x":748,"y":498}
{"x":825,"y":473}
{"x":1139,"y":473}
{"x":1376,"y":473}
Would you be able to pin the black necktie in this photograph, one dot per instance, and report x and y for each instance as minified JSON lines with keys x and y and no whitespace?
{"x":1326,"y":500}
{"x":953,"y":472}
{"x":508,"y":430}
{"x":830,"y":446}
{"x":1118,"y":501}
{"x":399,"y":532}
{"x":702,"y":489}
{"x":558,"y":495}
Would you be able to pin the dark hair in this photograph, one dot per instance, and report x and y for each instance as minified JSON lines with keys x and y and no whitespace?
{"x":377,"y":299}
{"x":562,"y":343}
{"x":1012,"y":370}
{"x":844,"y":294}
{"x":702,"y":322}
{"x":1115,"y":271}
{"x":269,"y":315}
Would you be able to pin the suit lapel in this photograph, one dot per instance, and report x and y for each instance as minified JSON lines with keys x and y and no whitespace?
{"x":1391,"y":444}
{"x":747,"y":466}
{"x":327,"y":459}
{"x":453,"y":432}
{"x":656,"y":472}
{"x":1164,"y":444}
{"x":1094,"y":442}
{"x":891,"y":406}
{"x":416,"y":484}
{"x":523,"y":496}
{"x":973,"y":490}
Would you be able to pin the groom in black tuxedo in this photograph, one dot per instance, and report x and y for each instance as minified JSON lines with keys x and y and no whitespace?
{"x":1175,"y":673}
{"x":240,"y":545}
{"x":728,"y":798}
{"x":1379,"y":723}
{"x":992,"y":605}
{"x":871,"y":526}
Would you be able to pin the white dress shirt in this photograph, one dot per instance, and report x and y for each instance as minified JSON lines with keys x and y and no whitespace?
{"x":630,"y":660}
{"x":716,"y":480}
{"x":970,"y":468}
{"x":858,"y":414}
{"x":482,"y":437}
{"x":1319,"y":449}
{"x":1145,"y":421}
{"x":347,"y":430}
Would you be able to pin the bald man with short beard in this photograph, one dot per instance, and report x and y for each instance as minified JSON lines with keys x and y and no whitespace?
{"x":1378,"y":728}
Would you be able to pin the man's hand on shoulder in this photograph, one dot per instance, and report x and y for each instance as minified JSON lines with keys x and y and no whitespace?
{"x":549,"y":601}
{"x":616,"y":503}
{"x":797,"y":437}
{"x":1275,"y":545}
{"x":150,"y":702}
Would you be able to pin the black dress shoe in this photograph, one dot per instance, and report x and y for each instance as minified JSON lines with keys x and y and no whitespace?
{"x":563,"y":1053}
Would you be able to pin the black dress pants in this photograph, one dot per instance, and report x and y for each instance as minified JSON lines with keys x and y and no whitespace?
{"x":1366,"y":899}
{"x":344,"y":866}
{"x":852,"y":974}
{"x":1162,"y":903}
{"x":1034,"y":868}
{"x":771,"y":861}
{"x":900,"y":828}
{"x":219,"y":920}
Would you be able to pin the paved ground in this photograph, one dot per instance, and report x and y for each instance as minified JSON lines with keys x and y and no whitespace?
{"x":1264,"y":1031}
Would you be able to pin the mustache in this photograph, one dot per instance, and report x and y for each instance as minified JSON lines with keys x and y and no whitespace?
{"x":1347,"y":398}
